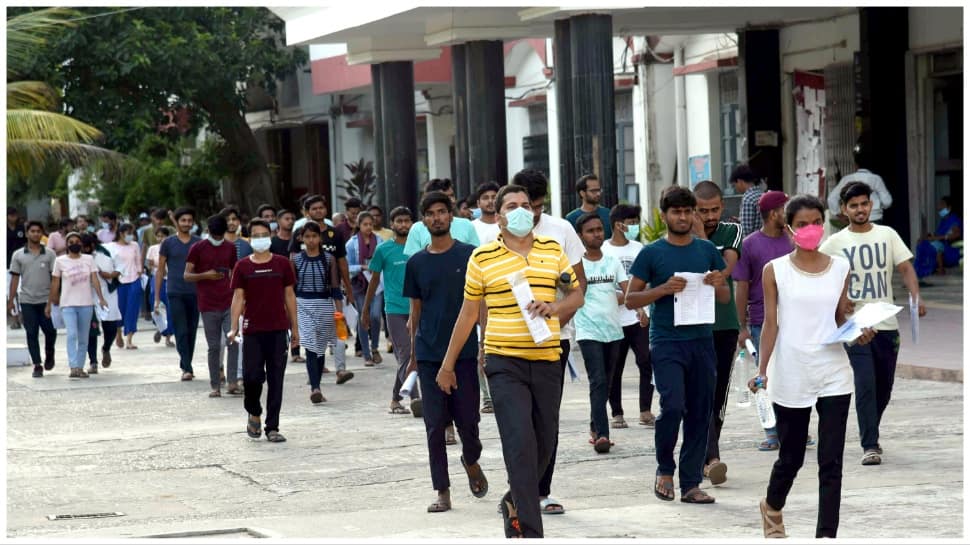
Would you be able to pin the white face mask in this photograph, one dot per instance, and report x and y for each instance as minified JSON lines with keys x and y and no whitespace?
{"x":261,"y":244}
{"x":215,"y":242}
{"x":129,"y":238}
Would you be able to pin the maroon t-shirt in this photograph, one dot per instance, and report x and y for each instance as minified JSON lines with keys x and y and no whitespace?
{"x":213,"y":295}
{"x":265,"y":285}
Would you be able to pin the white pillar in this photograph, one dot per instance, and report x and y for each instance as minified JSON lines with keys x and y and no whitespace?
{"x":441,"y":130}
{"x":641,"y":169}
{"x":680,"y":107}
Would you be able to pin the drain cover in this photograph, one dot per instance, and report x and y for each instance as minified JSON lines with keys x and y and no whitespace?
{"x":217,"y":533}
{"x":86,"y":516}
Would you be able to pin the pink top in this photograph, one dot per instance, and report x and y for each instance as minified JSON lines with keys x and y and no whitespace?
{"x":75,"y":275}
{"x":128,"y":256}
{"x":57,"y":243}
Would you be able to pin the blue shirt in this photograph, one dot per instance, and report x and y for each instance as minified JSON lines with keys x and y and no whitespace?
{"x":419,"y":237}
{"x":175,"y":253}
{"x":655,"y":265}
{"x":604,"y":214}
{"x":243,"y":249}
{"x":390,"y":261}
{"x":438,"y":281}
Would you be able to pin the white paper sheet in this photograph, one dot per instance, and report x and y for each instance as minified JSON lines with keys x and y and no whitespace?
{"x":694,"y":305}
{"x":409,"y":384}
{"x":868,"y":316}
{"x":350,"y":314}
{"x":523,"y":296}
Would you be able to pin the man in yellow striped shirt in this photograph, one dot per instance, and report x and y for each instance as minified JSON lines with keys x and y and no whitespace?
{"x":523,"y":376}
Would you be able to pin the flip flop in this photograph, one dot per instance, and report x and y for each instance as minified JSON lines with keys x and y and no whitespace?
{"x":475,"y":478}
{"x":557,"y":508}
{"x":510,"y":517}
{"x":253,"y":428}
{"x":275,"y":437}
{"x":696,"y":495}
{"x":665,"y":482}
{"x":439,"y":506}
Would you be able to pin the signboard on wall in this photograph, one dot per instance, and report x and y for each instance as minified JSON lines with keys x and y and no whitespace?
{"x":700,"y":169}
{"x":808,"y":90}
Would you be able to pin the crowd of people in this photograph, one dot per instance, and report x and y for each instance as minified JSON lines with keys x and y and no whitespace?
{"x":483,"y":298}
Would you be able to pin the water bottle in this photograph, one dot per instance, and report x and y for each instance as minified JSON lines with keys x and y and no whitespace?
{"x":741,"y":372}
{"x":765,"y":413}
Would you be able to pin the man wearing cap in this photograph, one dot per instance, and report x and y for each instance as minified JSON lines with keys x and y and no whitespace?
{"x":746,"y":183}
{"x":757,"y":249}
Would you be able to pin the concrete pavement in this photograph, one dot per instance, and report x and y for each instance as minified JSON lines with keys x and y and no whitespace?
{"x":136,"y":440}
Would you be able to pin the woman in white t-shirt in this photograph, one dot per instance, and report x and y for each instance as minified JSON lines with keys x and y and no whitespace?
{"x":127,"y":256}
{"x":110,"y":317}
{"x":151,"y":261}
{"x":805,"y":298}
{"x":74,"y":275}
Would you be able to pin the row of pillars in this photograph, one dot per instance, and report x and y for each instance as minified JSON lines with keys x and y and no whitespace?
{"x":583,"y":49}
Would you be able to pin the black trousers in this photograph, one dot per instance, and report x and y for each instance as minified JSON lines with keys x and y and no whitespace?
{"x":34,"y":321}
{"x":874,"y":369}
{"x":439,"y":408}
{"x":725,"y":344}
{"x":637,"y":338}
{"x":526,"y":396}
{"x":792,"y":424}
{"x":545,"y":483}
{"x":110,"y":330}
{"x":264,"y":360}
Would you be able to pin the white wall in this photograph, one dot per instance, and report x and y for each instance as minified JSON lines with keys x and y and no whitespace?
{"x":812,"y":46}
{"x":441,"y":131}
{"x":698,"y":118}
{"x":655,"y":95}
{"x":936,"y":27}
{"x":526,"y":65}
{"x":350,"y":145}
{"x":703,"y":47}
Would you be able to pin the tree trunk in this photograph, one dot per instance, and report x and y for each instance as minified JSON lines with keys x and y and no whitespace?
{"x":251,"y":183}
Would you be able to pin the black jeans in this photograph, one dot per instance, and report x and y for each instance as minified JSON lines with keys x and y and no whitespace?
{"x":725,"y":345}
{"x":526,"y":396}
{"x":545,"y":482}
{"x":792,"y":424}
{"x":34,"y":320}
{"x":185,"y":315}
{"x":439,"y":409}
{"x":110,"y":330}
{"x":685,"y":375}
{"x":637,"y":338}
{"x":264,"y":360}
{"x":600,"y":361}
{"x":874,"y":367}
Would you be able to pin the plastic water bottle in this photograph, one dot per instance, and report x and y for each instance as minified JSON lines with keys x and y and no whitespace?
{"x":741,"y":371}
{"x":765,"y":413}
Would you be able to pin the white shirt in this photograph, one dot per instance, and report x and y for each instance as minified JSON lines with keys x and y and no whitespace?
{"x":487,"y":232}
{"x":626,"y":254}
{"x":106,"y":264}
{"x":302,"y":221}
{"x":564,"y":233}
{"x":881,"y":198}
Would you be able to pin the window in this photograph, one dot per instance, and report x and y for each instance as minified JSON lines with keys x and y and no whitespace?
{"x":730,"y":126}
{"x":627,"y":189}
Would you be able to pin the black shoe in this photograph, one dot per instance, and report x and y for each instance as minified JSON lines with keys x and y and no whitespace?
{"x":38,"y":371}
{"x":49,"y":360}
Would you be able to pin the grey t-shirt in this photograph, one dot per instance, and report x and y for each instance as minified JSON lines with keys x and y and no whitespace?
{"x":175,"y":251}
{"x":35,"y":274}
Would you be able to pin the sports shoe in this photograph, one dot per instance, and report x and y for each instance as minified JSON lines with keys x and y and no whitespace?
{"x":871,"y":458}
{"x":93,"y":370}
{"x":81,"y":373}
{"x":38,"y":371}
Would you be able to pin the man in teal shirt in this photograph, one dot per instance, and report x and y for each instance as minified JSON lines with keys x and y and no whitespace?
{"x":389,"y":260}
{"x":462,"y":229}
{"x":590,"y":188}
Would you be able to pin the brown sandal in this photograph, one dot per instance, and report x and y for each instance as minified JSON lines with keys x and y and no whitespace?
{"x":772,"y":522}
{"x":696,"y":495}
{"x":663,"y":487}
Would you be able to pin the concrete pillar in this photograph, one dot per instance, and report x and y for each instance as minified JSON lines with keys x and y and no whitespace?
{"x":884,"y":35}
{"x":562,"y":51}
{"x":398,"y":131}
{"x":459,"y":102}
{"x":441,"y":128}
{"x":375,"y":74}
{"x":759,"y":90}
{"x":485,"y":110}
{"x":587,"y":118}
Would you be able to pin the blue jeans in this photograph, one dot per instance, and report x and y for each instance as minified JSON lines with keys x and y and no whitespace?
{"x":185,"y":314}
{"x":374,"y":333}
{"x":600,"y":360}
{"x":77,"y":320}
{"x":685,"y":373}
{"x":129,"y":302}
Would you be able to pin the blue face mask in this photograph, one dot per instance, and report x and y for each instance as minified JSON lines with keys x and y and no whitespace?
{"x":632,"y":232}
{"x":476,"y":213}
{"x":520,"y":222}
{"x":944,"y":212}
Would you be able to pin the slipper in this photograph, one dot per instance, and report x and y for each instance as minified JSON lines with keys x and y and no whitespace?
{"x":344,"y":376}
{"x":663,"y":487}
{"x":439,"y":506}
{"x":476,"y":478}
{"x":132,"y":347}
{"x":253,"y":427}
{"x":772,"y":524}
{"x":716,"y":472}
{"x":275,"y":437}
{"x":417,"y":407}
{"x":647,"y":419}
{"x":871,"y":458}
{"x":768,"y":445}
{"x":317,"y":397}
{"x":215,"y":393}
{"x":696,"y":495}
{"x":510,"y":517}
{"x":187,"y":376}
{"x":619,"y":422}
{"x":550,"y":506}
{"x":399,"y":409}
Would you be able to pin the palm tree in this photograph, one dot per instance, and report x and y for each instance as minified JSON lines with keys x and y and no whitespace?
{"x":36,"y":132}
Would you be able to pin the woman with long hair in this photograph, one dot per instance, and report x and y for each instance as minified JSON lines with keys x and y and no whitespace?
{"x":805,"y":298}
{"x":360,"y":249}
{"x":127,"y":256}
{"x":318,"y":296}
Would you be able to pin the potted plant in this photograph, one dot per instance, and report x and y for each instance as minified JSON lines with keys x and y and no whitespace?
{"x":362,"y":183}
{"x":653,"y":229}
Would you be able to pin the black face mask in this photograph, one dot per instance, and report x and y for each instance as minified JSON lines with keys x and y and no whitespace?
{"x":74,"y":248}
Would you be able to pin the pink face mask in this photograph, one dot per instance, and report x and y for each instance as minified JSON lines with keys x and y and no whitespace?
{"x":808,"y":237}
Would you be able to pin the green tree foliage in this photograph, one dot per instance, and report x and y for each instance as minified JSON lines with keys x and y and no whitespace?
{"x":127,"y":69}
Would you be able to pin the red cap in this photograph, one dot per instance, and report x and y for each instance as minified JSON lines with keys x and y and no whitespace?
{"x":771,"y":200}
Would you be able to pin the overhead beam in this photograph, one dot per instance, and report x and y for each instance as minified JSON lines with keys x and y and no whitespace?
{"x":375,"y":56}
{"x":457,"y":35}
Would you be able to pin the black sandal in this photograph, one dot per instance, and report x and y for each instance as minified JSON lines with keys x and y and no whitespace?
{"x":275,"y":437}
{"x":253,"y":427}
{"x":510,"y":517}
{"x":664,"y":489}
{"x":696,"y":495}
{"x":477,"y":479}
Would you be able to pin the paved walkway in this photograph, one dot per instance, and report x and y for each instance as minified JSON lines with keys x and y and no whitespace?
{"x":136,"y":440}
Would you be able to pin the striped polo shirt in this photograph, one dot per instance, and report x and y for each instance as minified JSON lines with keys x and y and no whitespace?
{"x":506,"y":333}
